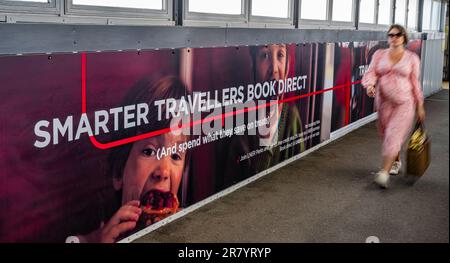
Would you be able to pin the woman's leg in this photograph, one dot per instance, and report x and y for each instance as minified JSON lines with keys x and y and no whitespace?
{"x":388,"y":160}
{"x":384,"y":117}
{"x":396,"y":130}
{"x":385,"y":111}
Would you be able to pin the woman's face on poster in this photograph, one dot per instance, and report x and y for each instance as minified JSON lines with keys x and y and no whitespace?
{"x":144,"y":172}
{"x":271,"y":62}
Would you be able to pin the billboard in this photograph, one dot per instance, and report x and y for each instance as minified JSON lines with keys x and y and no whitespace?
{"x":100,"y":145}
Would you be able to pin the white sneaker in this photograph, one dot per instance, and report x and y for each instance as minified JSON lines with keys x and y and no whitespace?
{"x":382,"y":179}
{"x":395,"y":169}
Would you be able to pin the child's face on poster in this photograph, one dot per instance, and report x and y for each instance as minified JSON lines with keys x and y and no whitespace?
{"x":144,"y":172}
{"x":271,"y":62}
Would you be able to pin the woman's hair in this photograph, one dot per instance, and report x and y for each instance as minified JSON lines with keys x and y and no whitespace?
{"x":402,"y":31}
{"x":148,"y":92}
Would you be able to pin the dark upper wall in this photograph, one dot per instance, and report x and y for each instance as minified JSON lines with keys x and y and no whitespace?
{"x":53,"y":38}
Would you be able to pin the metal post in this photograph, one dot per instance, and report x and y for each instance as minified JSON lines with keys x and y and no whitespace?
{"x":178,"y":12}
{"x":393,"y":8}
{"x":357,"y":3}
{"x":420,"y":16}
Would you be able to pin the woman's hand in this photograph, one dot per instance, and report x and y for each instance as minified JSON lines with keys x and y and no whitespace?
{"x":123,"y":220}
{"x":420,"y":113}
{"x":370,"y":91}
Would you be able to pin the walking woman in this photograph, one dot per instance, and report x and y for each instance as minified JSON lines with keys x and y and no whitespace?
{"x":393,"y":79}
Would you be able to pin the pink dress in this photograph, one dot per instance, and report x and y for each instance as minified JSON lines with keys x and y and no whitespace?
{"x":397,"y":93}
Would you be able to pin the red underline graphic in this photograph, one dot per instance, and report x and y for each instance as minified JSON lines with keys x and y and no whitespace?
{"x":120,"y":142}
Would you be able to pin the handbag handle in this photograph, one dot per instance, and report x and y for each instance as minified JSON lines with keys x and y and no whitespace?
{"x":420,"y":125}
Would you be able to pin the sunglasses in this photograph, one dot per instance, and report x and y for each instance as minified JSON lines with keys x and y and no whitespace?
{"x":399,"y":34}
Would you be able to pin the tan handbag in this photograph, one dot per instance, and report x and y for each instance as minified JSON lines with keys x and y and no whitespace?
{"x":418,"y":156}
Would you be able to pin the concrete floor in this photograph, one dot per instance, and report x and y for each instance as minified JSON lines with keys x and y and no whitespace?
{"x":328,"y":196}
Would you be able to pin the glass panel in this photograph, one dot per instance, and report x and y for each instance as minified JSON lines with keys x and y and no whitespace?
{"x":271,"y":8}
{"x":342,"y":10}
{"x":384,"y":12}
{"x":426,"y":15}
{"x":229,"y":7}
{"x":400,"y":12}
{"x":445,"y":6}
{"x":367,"y":11}
{"x":36,"y":1}
{"x":436,"y":15}
{"x":412,"y":14}
{"x":145,"y":4}
{"x":313,"y":9}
